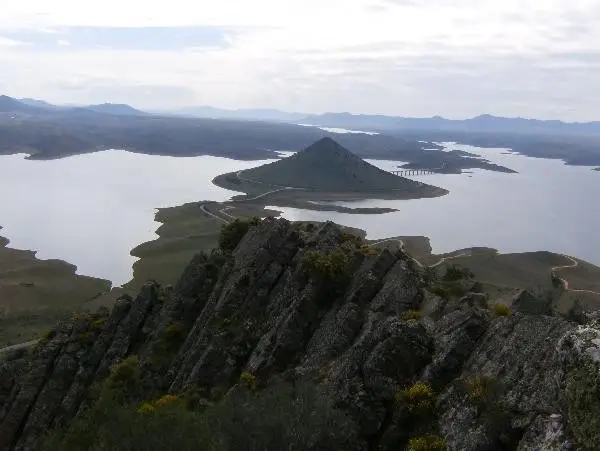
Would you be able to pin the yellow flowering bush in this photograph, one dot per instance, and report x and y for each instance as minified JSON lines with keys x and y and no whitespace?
{"x":419,"y":397}
{"x":146,"y":407}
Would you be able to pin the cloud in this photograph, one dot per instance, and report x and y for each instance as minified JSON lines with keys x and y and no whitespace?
{"x":7,"y":42}
{"x":456,"y":58}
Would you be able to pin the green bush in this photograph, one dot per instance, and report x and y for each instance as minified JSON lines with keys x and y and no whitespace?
{"x":175,"y":332}
{"x":583,"y":400}
{"x":123,"y":379}
{"x":454,"y":273}
{"x":349,"y":237}
{"x":283,"y":417}
{"x":427,"y":443}
{"x":327,"y":266}
{"x":232,"y":233}
{"x":332,"y":270}
{"x":418,"y":398}
{"x":248,"y":379}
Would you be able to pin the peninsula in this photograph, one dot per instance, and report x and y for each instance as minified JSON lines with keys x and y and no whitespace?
{"x":35,"y":293}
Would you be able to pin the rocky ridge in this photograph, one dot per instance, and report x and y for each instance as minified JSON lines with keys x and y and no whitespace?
{"x":300,"y":302}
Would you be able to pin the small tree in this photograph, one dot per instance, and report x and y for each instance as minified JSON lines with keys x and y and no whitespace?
{"x":454,"y":273}
{"x":232,"y":233}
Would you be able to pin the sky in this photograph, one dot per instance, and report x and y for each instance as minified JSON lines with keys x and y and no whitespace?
{"x":454,"y":58}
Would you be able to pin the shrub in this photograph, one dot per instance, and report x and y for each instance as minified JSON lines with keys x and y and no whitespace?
{"x":85,"y":338}
{"x":124,"y":377}
{"x":480,"y":389}
{"x":454,"y":273}
{"x":248,"y":379}
{"x":282,"y":417}
{"x":174,"y":332}
{"x":430,"y":275}
{"x":332,"y":271}
{"x":583,"y":401}
{"x":146,"y":407}
{"x":349,"y":237}
{"x":427,"y":443}
{"x":166,"y":400}
{"x":486,"y":394}
{"x":98,"y":324}
{"x":411,"y":314}
{"x":232,"y":233}
{"x":501,"y":310}
{"x":327,"y":266}
{"x":418,"y":398}
{"x":367,"y":251}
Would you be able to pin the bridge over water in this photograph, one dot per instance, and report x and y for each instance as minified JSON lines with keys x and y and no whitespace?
{"x":406,"y":172}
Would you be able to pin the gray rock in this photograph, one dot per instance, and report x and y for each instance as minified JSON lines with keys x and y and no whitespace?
{"x":259,"y":309}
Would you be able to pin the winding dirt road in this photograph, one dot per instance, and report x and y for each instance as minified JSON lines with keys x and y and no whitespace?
{"x":403,"y":247}
{"x":565,"y":282}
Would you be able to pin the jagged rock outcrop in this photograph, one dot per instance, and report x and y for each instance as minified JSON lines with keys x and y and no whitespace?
{"x":300,"y":302}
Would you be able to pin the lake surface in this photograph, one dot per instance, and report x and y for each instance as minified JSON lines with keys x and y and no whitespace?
{"x":545,"y":206}
{"x":91,"y":210}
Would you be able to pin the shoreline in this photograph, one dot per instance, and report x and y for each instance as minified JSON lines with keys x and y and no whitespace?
{"x":35,"y":293}
{"x":258,"y":155}
{"x":30,"y":253}
{"x":295,"y":197}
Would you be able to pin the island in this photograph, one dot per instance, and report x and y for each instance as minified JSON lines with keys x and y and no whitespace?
{"x":318,"y":176}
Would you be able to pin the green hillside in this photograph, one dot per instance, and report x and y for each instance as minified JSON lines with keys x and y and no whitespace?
{"x":328,"y":167}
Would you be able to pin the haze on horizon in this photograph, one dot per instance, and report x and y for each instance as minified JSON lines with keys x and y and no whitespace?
{"x":454,"y":58}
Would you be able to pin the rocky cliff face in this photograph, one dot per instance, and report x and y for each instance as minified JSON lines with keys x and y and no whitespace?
{"x":302,"y":302}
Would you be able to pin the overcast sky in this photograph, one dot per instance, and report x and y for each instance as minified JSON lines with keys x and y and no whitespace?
{"x":455,"y":58}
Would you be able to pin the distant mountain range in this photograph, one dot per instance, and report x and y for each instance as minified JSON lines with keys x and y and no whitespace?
{"x":35,"y":106}
{"x":260,"y":114}
{"x":485,"y":123}
{"x":377,"y":122}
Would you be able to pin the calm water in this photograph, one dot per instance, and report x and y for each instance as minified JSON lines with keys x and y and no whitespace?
{"x":91,"y":210}
{"x":546,"y":206}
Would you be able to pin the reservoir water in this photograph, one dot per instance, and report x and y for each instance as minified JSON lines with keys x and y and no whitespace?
{"x":91,"y":210}
{"x":547,"y":205}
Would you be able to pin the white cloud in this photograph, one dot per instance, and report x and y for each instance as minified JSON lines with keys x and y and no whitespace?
{"x":63,"y":42}
{"x":451,"y":57}
{"x":6,"y":42}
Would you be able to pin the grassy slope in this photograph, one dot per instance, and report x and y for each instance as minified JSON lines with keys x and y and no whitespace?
{"x":523,"y":270}
{"x":531,"y":270}
{"x":184,"y":232}
{"x":35,"y":293}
